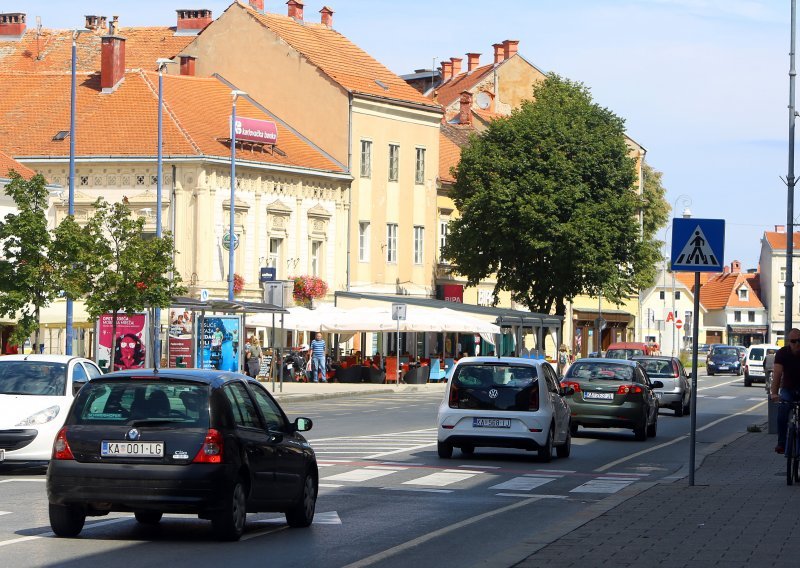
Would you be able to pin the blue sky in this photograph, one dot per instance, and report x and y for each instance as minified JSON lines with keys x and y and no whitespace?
{"x":702,"y":84}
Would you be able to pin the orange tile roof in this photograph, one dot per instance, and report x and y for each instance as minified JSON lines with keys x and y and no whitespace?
{"x":7,"y":163}
{"x":51,"y":50}
{"x":778,"y":240}
{"x":721,"y":291}
{"x":448,"y":92}
{"x":449,"y":156}
{"x":687,"y":279}
{"x":339,"y":58}
{"x":34,"y":107}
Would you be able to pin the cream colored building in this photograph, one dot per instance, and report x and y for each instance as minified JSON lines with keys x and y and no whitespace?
{"x":772,"y":263}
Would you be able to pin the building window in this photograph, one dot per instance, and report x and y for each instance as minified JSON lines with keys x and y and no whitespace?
{"x":419,"y":171}
{"x":442,"y":237}
{"x":274,"y":259}
{"x":737,"y":316}
{"x":782,"y":304}
{"x":363,"y":241}
{"x":419,"y":238}
{"x":661,"y":295}
{"x":677,"y":294}
{"x":316,"y":257}
{"x":783,"y":274}
{"x":394,"y":161}
{"x":391,"y":242}
{"x":751,"y":316}
{"x":742,"y":293}
{"x":366,"y":158}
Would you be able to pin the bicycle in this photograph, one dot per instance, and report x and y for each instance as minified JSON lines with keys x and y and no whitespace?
{"x":792,"y":448}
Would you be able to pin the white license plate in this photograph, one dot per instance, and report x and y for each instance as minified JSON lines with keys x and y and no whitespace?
{"x":723,"y":367}
{"x":132,"y":449}
{"x":2,"y":455}
{"x":491,"y":423}
{"x":658,"y":394}
{"x":598,"y":395}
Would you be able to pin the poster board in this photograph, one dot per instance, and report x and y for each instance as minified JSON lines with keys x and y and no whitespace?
{"x":267,"y":362}
{"x":128,"y":350}
{"x":180,"y":338}
{"x":219,"y":344}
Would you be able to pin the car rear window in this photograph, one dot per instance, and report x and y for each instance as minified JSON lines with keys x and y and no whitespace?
{"x":600,"y":370}
{"x":37,"y":378}
{"x":126,"y":402}
{"x":756,"y":354}
{"x":660,"y":368}
{"x":495,"y":387}
{"x":624,"y":353}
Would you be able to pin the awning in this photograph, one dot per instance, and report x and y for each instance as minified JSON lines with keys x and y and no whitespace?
{"x":747,"y":329}
{"x":226,"y":306}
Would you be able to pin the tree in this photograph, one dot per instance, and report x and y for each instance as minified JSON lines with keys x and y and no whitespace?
{"x":548,"y":204}
{"x":655,"y":208}
{"x":29,"y":280}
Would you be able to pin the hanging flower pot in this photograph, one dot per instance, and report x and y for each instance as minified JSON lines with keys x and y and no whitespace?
{"x":307,"y":289}
{"x":238,"y":284}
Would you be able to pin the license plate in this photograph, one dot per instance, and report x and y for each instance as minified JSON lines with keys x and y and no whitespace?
{"x":491,"y":423}
{"x":132,"y":449}
{"x":658,"y":394}
{"x":723,"y":368}
{"x":598,"y":395}
{"x":2,"y":455}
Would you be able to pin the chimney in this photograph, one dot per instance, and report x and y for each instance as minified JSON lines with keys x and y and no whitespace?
{"x":465,"y":108}
{"x":187,"y":65}
{"x":510,"y":48}
{"x":257,"y":5}
{"x":447,"y":70}
{"x":192,"y":22}
{"x":295,"y":9}
{"x":473,"y":61}
{"x":780,"y":228}
{"x":736,"y":266}
{"x":327,"y":17}
{"x":726,"y":269}
{"x":499,"y":52}
{"x":112,"y":62}
{"x":96,"y":23}
{"x":113,"y":26}
{"x":456,"y":61}
{"x":12,"y":26}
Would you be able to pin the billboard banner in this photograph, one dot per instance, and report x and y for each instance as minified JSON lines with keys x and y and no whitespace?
{"x":219,"y":347}
{"x":254,"y":130}
{"x":180,"y":340}
{"x":129,"y":346}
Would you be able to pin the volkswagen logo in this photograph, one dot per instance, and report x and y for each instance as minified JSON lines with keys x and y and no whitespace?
{"x":133,"y":434}
{"x":493,"y":393}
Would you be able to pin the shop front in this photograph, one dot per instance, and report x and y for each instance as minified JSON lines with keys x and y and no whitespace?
{"x":747,"y":334}
{"x":617,"y":325}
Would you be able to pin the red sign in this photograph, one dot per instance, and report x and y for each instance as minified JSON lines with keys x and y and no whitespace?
{"x":254,"y":130}
{"x":453,"y":293}
{"x":678,"y":324}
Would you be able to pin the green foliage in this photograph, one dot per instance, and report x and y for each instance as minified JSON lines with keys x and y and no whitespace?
{"x":548,"y":204}
{"x":655,"y":207}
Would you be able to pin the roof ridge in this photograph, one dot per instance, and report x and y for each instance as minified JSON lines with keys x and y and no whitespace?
{"x":145,"y":77}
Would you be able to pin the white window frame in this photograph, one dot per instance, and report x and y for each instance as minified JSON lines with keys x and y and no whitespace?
{"x":443,"y":232}
{"x":394,"y":162}
{"x":419,"y":244}
{"x":391,"y":243}
{"x":782,"y":305}
{"x":419,"y":166}
{"x":274,"y":258}
{"x":366,"y":158}
{"x":363,"y":241}
{"x":751,"y":316}
{"x":743,"y":293}
{"x":315,"y":258}
{"x":783,"y":274}
{"x":737,"y":316}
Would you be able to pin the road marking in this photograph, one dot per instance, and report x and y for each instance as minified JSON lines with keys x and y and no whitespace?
{"x":402,"y":463}
{"x":524,"y":483}
{"x":327,"y":518}
{"x":678,"y":439}
{"x":446,"y":477}
{"x":546,"y":471}
{"x":29,"y":480}
{"x":720,"y":385}
{"x":603,"y":485}
{"x":369,"y":560}
{"x":263,"y":532}
{"x":417,"y":490}
{"x":529,"y":495}
{"x":725,"y":397}
{"x":5,"y":513}
{"x":392,"y":434}
{"x":50,"y":533}
{"x":480,"y":466}
{"x":756,"y":398}
{"x":359,"y":475}
{"x":333,"y":485}
{"x":400,"y":451}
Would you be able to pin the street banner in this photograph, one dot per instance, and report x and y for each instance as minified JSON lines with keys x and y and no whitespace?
{"x":219,"y":347}
{"x":180,"y":339}
{"x":129,"y":345}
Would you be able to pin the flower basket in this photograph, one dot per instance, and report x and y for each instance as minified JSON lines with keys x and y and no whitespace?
{"x":308,"y":288}
{"x":238,"y":284}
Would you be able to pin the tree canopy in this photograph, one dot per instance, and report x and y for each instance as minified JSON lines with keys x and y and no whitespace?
{"x":548,"y":205}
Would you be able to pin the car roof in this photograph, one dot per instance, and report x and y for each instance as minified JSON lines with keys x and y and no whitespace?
{"x":507,"y":360}
{"x":654,"y":358}
{"x":606,"y":360}
{"x":42,"y":357}
{"x":205,"y":376}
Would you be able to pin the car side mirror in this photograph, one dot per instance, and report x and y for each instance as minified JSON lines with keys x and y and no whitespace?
{"x":657,"y":384}
{"x":76,"y":387}
{"x":302,"y":424}
{"x":687,"y":374}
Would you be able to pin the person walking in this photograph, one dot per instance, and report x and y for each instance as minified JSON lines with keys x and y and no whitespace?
{"x":318,"y":359}
{"x":253,"y":356}
{"x":785,"y":384}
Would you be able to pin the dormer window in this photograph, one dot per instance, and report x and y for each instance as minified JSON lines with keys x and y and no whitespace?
{"x":743,"y":293}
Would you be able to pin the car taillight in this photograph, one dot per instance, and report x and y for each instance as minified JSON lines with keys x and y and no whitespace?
{"x":453,"y":401}
{"x":625,"y":389}
{"x":575,"y":386}
{"x":211,"y":452}
{"x":61,"y":450}
{"x":534,"y":402}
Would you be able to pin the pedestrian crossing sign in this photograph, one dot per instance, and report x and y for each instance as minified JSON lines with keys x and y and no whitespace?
{"x":698,"y":245}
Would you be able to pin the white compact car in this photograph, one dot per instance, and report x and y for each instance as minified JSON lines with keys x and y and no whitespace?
{"x":36,"y":392}
{"x":504,"y":402}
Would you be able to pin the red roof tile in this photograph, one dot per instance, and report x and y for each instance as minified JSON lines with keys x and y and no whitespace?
{"x":7,"y":163}
{"x":719,"y":291}
{"x":448,"y":92}
{"x":778,"y":240}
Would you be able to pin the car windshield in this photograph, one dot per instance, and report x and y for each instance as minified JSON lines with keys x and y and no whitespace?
{"x":600,"y":370}
{"x":37,"y":378}
{"x":661,"y":368}
{"x":495,"y":387}
{"x":623,"y":353}
{"x":140,"y":402}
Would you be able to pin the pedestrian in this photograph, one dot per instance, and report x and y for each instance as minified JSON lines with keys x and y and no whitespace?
{"x":318,"y":359}
{"x":235,"y":341}
{"x":253,"y":356}
{"x":785,"y":385}
{"x":563,"y":360}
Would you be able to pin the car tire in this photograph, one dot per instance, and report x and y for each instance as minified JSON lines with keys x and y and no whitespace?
{"x":748,"y":381}
{"x":573,"y":427}
{"x":652,"y":428}
{"x":467,"y":450}
{"x":710,"y":373}
{"x":302,"y":514}
{"x":228,"y":524}
{"x":445,"y":450}
{"x":545,"y":453}
{"x":679,"y":410}
{"x":148,"y":517}
{"x":66,"y":520}
{"x":564,"y":449}
{"x":640,"y":431}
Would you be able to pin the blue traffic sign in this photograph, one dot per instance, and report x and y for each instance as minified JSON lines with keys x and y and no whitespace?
{"x":698,"y":245}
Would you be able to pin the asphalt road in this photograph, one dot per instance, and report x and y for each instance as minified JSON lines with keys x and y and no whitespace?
{"x":386,"y":499}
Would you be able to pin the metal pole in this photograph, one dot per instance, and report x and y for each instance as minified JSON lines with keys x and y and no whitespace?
{"x":71,"y":206}
{"x":233,"y":197}
{"x":695,"y":331}
{"x":398,"y":353}
{"x":790,"y":181}
{"x":159,"y":177}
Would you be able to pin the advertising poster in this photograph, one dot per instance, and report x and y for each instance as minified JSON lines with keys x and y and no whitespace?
{"x":128,"y":350}
{"x":180,"y":338}
{"x":219,"y":348}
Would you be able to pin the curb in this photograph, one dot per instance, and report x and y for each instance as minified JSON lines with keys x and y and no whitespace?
{"x":307,"y":397}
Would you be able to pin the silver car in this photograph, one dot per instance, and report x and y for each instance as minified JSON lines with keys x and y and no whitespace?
{"x":676,"y":392}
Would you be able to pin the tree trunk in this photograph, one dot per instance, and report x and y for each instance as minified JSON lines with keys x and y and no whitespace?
{"x":113,"y":353}
{"x":36,"y":333}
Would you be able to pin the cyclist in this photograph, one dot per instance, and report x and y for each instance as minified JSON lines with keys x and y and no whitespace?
{"x":786,"y":382}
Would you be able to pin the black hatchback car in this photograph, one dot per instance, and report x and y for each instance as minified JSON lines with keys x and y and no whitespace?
{"x":203,"y":442}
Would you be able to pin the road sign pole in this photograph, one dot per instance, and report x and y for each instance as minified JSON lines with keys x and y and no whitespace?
{"x":398,"y":353}
{"x":693,"y":402}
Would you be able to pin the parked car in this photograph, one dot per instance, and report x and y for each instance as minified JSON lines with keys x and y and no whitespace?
{"x":676,"y":392}
{"x":742,"y":351}
{"x":505,"y":402}
{"x":204,"y":442}
{"x":628,"y":350}
{"x":754,"y":362}
{"x":35,"y":394}
{"x":612,"y":393}
{"x":723,"y":359}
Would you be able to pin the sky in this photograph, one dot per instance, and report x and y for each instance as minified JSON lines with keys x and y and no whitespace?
{"x":703,"y":85}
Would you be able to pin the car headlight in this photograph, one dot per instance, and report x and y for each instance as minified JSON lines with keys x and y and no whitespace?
{"x":41,"y":417}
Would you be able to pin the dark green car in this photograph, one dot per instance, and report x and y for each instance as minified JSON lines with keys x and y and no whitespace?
{"x":612,"y":393}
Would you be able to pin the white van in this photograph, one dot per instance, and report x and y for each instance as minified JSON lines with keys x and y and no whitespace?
{"x":754,"y":362}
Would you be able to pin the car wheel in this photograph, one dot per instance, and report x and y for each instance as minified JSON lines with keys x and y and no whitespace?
{"x":710,"y":373}
{"x":445,"y":450}
{"x":679,"y":409}
{"x":573,"y":427}
{"x":148,"y":517}
{"x":640,"y":431}
{"x":687,"y":408}
{"x":302,"y":514}
{"x":228,"y":524}
{"x":467,"y":450}
{"x":66,"y":520}
{"x":564,"y":449}
{"x":748,"y":381}
{"x":651,"y":428}
{"x":545,"y":453}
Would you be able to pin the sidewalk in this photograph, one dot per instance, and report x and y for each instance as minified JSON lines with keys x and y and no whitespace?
{"x":300,"y":392}
{"x":740,"y":513}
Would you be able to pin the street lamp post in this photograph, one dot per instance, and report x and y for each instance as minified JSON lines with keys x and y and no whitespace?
{"x":790,"y":182}
{"x":686,"y":201}
{"x":236,"y":94}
